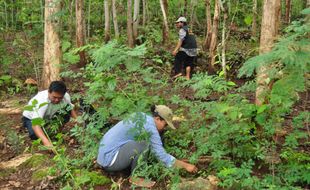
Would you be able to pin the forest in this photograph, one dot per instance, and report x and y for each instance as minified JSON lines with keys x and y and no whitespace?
{"x":242,"y":118}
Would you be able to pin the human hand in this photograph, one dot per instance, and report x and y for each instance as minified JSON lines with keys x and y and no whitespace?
{"x":174,"y":52}
{"x":191,"y":168}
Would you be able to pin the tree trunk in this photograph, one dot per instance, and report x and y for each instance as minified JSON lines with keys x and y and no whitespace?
{"x":80,"y":37}
{"x":224,"y":42}
{"x":129,"y":24}
{"x":144,"y":8}
{"x":71,"y":19}
{"x":115,"y":23}
{"x":106,"y":21}
{"x":164,"y":10}
{"x":288,"y":11}
{"x":209,"y":26}
{"x":269,"y":31}
{"x":135,"y":25}
{"x":254,"y":18}
{"x":6,"y":16}
{"x":192,"y":16}
{"x":185,"y":8}
{"x":213,"y":43}
{"x":52,"y":50}
{"x":88,"y":19}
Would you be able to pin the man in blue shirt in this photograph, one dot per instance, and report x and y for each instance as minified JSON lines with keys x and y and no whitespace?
{"x":122,"y":145}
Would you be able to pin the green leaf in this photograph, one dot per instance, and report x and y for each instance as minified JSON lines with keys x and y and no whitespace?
{"x":43,"y":104}
{"x":306,"y":11}
{"x":230,"y":83}
{"x":28,"y":108}
{"x":34,"y":102}
{"x":37,"y":121}
{"x":261,"y":109}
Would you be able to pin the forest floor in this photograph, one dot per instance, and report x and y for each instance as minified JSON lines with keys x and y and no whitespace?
{"x":21,"y":166}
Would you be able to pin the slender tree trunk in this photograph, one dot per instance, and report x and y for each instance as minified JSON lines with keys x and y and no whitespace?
{"x":164,"y":10}
{"x":52,"y":50}
{"x":213,"y":43}
{"x":115,"y":23}
{"x":88,"y":19}
{"x":209,"y":26}
{"x":106,"y":21}
{"x":254,"y":18}
{"x":269,"y":31}
{"x":136,"y":11}
{"x":6,"y":16}
{"x":224,"y":42}
{"x":71,"y":19}
{"x":80,"y":37}
{"x":193,"y":8}
{"x":185,"y":8}
{"x":288,"y":6}
{"x":129,"y":24}
{"x":144,"y":8}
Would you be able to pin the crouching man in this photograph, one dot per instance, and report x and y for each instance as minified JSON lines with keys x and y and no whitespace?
{"x":120,"y":148}
{"x":50,"y":103}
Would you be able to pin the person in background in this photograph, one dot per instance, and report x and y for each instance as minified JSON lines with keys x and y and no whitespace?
{"x":185,"y":50}
{"x":50,"y":103}
{"x":120,"y":148}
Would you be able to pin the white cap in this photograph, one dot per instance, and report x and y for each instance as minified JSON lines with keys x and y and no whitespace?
{"x":181,"y":19}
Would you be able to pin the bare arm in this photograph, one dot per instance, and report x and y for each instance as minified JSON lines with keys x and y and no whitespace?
{"x":177,"y":47}
{"x":187,"y":166}
{"x":40,"y":134}
{"x":73,"y":113}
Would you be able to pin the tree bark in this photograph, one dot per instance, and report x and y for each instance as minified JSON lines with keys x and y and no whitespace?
{"x":164,"y":10}
{"x":224,"y":41}
{"x":80,"y":37}
{"x":52,"y":50}
{"x":129,"y":24}
{"x":144,"y":8}
{"x":209,"y":26}
{"x":115,"y":23}
{"x":106,"y":21}
{"x":254,"y":18}
{"x":71,"y":19}
{"x":269,"y":31}
{"x":213,"y":43}
{"x":135,"y":25}
{"x":88,"y":19}
{"x":288,"y":11}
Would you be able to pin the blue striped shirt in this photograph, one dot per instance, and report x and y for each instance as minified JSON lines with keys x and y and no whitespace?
{"x":129,"y":130}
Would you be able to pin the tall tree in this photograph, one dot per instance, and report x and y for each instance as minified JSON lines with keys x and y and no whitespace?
{"x":214,"y":33}
{"x":269,"y":31}
{"x":164,"y":10}
{"x":52,"y":50}
{"x":254,"y":10}
{"x":135,"y":25}
{"x":106,"y":21}
{"x":80,"y":37}
{"x":144,"y":9}
{"x":129,"y":24}
{"x":207,"y":41}
{"x":115,"y":23}
{"x":288,"y":6}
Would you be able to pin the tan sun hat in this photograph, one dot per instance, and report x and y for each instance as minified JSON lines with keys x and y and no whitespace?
{"x":166,"y":113}
{"x":181,"y":19}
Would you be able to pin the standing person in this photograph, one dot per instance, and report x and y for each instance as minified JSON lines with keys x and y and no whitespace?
{"x":120,"y":148}
{"x":185,"y":50}
{"x":50,"y":103}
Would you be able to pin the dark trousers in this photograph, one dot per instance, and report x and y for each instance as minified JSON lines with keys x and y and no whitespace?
{"x":181,"y":61}
{"x":65,"y":117}
{"x":128,"y":156}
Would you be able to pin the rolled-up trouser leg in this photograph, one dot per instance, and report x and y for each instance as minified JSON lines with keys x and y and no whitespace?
{"x":128,"y":156}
